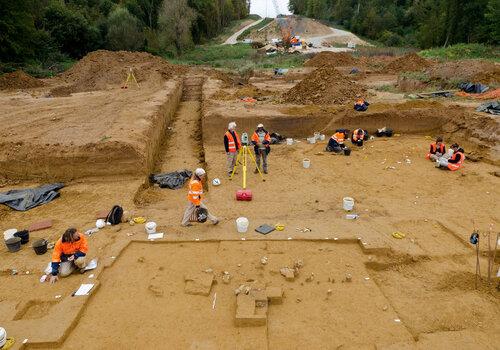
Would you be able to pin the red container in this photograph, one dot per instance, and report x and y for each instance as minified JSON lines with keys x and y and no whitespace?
{"x":244,"y":195}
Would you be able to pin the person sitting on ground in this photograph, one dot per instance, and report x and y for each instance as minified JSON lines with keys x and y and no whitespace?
{"x":69,"y":254}
{"x":358,"y":136}
{"x":261,"y":141}
{"x":437,"y":149}
{"x":336,"y":142}
{"x":455,"y":161}
{"x":361,"y":105}
{"x":232,"y":145}
{"x":195,"y":198}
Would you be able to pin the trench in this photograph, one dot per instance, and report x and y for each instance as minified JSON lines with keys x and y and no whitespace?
{"x":180,"y":144}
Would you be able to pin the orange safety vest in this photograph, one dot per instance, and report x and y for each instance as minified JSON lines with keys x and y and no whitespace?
{"x":355,"y":135}
{"x":456,"y":166}
{"x":231,"y":142}
{"x":360,"y":102}
{"x":256,"y":138}
{"x":195,"y":191}
{"x":69,"y":248}
{"x":339,"y":137}
{"x":434,"y":149}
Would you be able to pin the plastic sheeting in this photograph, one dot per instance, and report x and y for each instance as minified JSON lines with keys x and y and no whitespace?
{"x":26,"y":199}
{"x":473,"y":88}
{"x":174,"y":180}
{"x":490,"y":107}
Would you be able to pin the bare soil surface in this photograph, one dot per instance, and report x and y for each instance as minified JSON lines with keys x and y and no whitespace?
{"x":357,"y":286}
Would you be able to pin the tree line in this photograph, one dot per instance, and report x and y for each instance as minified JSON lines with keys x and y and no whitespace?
{"x":419,"y":23}
{"x":51,"y":30}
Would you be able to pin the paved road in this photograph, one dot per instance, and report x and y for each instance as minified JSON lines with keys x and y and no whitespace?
{"x":232,"y":39}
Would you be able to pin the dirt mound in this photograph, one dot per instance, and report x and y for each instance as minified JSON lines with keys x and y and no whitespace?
{"x":408,"y":63}
{"x":325,"y":85}
{"x":100,"y":69}
{"x":476,"y":71}
{"x":334,"y":59}
{"x":19,"y":80}
{"x":244,"y":91}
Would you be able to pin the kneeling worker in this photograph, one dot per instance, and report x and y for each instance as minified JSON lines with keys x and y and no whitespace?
{"x":336,"y":142}
{"x":358,"y":136}
{"x":455,"y":161}
{"x":232,"y":144}
{"x":69,"y":254}
{"x":195,"y":196}
{"x":437,"y":149}
{"x":261,"y":141}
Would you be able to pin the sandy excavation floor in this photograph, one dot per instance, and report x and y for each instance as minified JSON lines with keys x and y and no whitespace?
{"x":411,"y":293}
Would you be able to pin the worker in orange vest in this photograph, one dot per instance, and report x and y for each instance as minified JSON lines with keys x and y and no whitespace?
{"x":69,"y":254}
{"x":232,"y":145}
{"x":437,"y":149}
{"x":455,"y":161}
{"x":358,"y":136}
{"x":195,"y":196}
{"x":261,"y":141}
{"x":361,"y":105}
{"x":336,"y":142}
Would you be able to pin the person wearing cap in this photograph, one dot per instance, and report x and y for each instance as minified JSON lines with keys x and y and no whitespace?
{"x":455,"y":161}
{"x":69,"y":254}
{"x":232,"y":144}
{"x":195,"y":198}
{"x":261,"y":141}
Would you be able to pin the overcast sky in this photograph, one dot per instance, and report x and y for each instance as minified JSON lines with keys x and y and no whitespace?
{"x":259,"y":7}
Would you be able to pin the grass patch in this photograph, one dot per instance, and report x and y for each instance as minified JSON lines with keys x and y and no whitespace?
{"x":247,"y":32}
{"x":39,"y":69}
{"x":464,"y":51}
{"x":370,"y":51}
{"x":236,"y":57}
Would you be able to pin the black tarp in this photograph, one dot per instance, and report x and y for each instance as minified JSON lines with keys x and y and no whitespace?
{"x":26,"y":199}
{"x":490,"y":107}
{"x":173,"y":180}
{"x":472,"y":88}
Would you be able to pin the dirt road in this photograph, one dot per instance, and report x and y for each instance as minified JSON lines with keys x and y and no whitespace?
{"x":233,"y":38}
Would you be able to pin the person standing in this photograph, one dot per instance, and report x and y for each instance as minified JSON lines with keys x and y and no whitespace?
{"x":69,"y":254}
{"x":261,"y":141}
{"x":232,"y":145}
{"x":195,"y":194}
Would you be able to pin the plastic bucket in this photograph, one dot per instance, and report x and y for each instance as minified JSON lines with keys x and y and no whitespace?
{"x":322,"y":137}
{"x":13,"y":244}
{"x":306,"y":163}
{"x":289,"y":142}
{"x":311,"y":140}
{"x":24,"y":235}
{"x":9,"y":233}
{"x":40,"y":246}
{"x":242,"y":224}
{"x":347,"y":151}
{"x":348,"y":203}
{"x":3,"y":337}
{"x":150,"y":227}
{"x":317,"y":135}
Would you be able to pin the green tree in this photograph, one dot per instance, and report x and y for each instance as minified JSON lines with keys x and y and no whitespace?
{"x":175,"y":21}
{"x":124,"y":32}
{"x":493,"y":17}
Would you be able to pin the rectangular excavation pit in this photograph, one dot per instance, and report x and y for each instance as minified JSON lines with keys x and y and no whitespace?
{"x":142,"y":299}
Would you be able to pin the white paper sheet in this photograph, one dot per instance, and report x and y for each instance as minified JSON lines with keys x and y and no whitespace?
{"x":155,"y":235}
{"x":84,"y":289}
{"x":91,"y":265}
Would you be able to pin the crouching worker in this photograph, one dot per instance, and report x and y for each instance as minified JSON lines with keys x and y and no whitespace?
{"x":361,"y":105}
{"x":437,"y":149}
{"x":336,"y":142}
{"x":195,"y":196}
{"x":69,"y":254}
{"x":358,"y":137}
{"x":455,"y":161}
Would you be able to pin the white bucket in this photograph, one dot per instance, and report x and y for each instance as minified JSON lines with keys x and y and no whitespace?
{"x":100,"y":223}
{"x":289,"y":142}
{"x":242,"y":224}
{"x":150,"y":227}
{"x":3,"y":337}
{"x":311,"y":140}
{"x":348,"y":203}
{"x":322,"y":137}
{"x":9,"y":233}
{"x":317,"y":135}
{"x":306,"y":163}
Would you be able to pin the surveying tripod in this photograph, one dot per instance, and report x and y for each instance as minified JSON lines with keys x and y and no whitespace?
{"x":241,"y":159}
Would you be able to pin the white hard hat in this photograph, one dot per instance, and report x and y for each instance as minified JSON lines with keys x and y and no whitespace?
{"x":231,"y":126}
{"x":200,"y":172}
{"x":216,"y":182}
{"x":260,"y":125}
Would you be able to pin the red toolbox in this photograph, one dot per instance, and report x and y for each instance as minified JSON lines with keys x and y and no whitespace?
{"x":244,"y":195}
